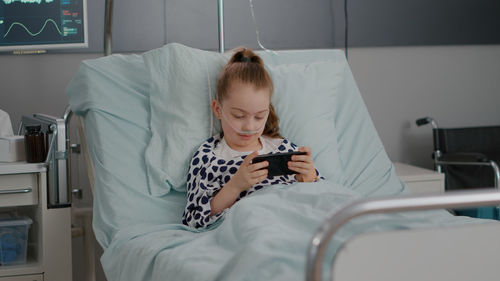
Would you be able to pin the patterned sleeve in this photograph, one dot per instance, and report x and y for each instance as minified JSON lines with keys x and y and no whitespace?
{"x":202,"y":186}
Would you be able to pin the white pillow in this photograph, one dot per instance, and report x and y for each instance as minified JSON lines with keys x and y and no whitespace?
{"x":183,"y":77}
{"x":304,"y":98}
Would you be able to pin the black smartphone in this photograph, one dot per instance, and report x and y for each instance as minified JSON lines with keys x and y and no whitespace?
{"x":277,"y":162}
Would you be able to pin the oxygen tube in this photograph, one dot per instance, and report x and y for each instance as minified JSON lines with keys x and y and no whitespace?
{"x":250,"y":2}
{"x":241,"y":132}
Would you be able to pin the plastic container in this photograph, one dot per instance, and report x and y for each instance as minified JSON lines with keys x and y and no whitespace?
{"x":14,"y":240}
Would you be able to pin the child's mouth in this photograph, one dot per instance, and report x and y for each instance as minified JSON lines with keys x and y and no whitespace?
{"x":245,"y":136}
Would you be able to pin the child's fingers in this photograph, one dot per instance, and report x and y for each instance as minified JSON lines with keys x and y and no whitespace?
{"x":261,"y":178}
{"x":259,"y":173}
{"x":258,"y":166}
{"x":298,"y":164}
{"x":249,"y":158}
{"x":303,"y":171}
{"x":302,"y":158}
{"x":306,"y":149}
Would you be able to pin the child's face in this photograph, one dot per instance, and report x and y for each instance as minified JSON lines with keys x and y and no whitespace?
{"x":243,"y":114}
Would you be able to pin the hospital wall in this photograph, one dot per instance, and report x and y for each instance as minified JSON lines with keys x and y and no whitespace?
{"x":456,"y":85}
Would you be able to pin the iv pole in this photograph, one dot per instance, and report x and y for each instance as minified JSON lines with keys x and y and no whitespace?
{"x":220,"y":14}
{"x":108,"y":20}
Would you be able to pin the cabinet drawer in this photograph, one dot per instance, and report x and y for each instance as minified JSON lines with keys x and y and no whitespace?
{"x":18,"y":190}
{"x":35,"y":277}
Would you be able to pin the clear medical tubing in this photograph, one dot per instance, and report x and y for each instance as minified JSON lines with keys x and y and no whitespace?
{"x":257,"y":29}
{"x":239,"y":131}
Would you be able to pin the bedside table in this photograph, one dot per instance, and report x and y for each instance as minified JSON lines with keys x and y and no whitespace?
{"x":420,"y":180}
{"x":23,"y":190}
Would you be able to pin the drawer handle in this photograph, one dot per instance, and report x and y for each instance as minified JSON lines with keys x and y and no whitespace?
{"x":16,"y":191}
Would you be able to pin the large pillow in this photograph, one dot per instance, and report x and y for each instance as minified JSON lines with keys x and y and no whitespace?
{"x":183,"y":80}
{"x":304,"y":98}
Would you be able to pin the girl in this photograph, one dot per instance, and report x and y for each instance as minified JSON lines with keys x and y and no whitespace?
{"x":221,"y":171}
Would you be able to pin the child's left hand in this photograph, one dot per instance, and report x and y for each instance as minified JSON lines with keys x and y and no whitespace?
{"x":303,"y":165}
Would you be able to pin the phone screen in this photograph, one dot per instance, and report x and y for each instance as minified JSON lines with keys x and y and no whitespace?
{"x":277,"y":162}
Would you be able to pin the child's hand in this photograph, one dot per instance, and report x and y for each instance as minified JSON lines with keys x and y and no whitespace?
{"x":303,"y":165}
{"x":249,"y":174}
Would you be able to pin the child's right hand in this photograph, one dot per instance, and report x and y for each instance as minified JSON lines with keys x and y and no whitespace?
{"x":249,"y":174}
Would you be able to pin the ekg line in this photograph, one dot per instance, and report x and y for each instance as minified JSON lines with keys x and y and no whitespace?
{"x":7,"y":2}
{"x":33,"y":34}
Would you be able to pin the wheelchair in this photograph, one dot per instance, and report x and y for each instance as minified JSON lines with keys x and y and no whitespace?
{"x":469,"y":158}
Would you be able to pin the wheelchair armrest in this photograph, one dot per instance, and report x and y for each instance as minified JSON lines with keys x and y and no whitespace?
{"x":474,"y":159}
{"x":464,"y":157}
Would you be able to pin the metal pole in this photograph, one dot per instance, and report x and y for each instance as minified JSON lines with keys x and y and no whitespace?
{"x":68,"y":114}
{"x":332,"y":224}
{"x":108,"y":20}
{"x":220,"y":13}
{"x":491,"y":163}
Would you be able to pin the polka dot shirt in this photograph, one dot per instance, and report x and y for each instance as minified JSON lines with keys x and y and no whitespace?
{"x":209,"y":172}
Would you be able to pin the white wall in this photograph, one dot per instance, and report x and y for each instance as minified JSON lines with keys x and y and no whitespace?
{"x":456,"y":85}
{"x":36,"y":83}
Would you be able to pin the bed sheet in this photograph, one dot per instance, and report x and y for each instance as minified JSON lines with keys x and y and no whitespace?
{"x":111,"y":94}
{"x":264,"y":237}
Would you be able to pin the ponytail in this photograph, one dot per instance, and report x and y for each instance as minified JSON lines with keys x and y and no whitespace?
{"x":272,"y":128}
{"x":247,"y":67}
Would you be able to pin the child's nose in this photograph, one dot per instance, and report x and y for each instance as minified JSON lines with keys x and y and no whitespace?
{"x":250,"y":124}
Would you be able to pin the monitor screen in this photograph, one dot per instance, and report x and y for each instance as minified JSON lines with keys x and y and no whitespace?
{"x":42,"y":24}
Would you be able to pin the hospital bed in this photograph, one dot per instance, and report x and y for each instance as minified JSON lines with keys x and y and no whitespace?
{"x":144,"y":116}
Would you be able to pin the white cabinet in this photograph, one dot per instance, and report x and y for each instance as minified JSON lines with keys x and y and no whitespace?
{"x":18,"y":189}
{"x":23,"y":190}
{"x":420,"y":180}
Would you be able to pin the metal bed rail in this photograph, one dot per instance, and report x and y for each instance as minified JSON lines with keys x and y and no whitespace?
{"x":322,"y":237}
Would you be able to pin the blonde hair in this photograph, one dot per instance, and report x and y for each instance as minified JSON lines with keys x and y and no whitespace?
{"x":248,"y":68}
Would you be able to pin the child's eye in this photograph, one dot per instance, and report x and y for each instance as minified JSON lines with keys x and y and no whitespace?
{"x":238,"y":116}
{"x":259,"y":118}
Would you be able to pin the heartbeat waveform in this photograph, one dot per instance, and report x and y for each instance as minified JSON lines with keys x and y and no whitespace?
{"x":7,"y":2}
{"x":33,"y":34}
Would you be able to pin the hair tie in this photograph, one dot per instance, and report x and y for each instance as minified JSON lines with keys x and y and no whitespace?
{"x":245,"y":59}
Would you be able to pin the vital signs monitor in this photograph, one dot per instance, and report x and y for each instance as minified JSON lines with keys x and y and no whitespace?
{"x":42,"y":24}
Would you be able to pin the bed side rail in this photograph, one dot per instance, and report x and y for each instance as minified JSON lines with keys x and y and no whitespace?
{"x":89,"y":164}
{"x":455,"y":199}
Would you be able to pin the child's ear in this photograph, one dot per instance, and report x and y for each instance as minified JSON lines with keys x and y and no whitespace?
{"x":216,"y":109}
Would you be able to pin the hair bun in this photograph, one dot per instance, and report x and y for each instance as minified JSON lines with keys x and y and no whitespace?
{"x":245,"y":55}
{"x":240,"y":57}
{"x":245,"y":59}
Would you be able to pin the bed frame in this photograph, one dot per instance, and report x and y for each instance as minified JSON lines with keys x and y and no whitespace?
{"x":433,"y":254}
{"x":461,"y":253}
{"x":401,"y":257}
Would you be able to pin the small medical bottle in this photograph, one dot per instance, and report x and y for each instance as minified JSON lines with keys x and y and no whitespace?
{"x":34,"y":143}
